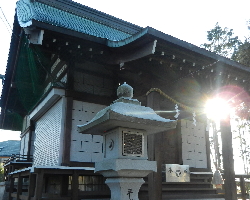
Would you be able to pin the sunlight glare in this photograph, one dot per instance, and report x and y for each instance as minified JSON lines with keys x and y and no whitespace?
{"x":217,"y":109}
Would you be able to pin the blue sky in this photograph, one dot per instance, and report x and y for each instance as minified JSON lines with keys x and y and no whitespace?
{"x":188,"y":20}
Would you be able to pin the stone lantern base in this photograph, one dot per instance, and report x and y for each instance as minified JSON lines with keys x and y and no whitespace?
{"x":125,"y":176}
{"x":124,"y":188}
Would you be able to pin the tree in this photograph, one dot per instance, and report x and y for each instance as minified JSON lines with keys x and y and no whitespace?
{"x":242,"y":54}
{"x":222,"y":41}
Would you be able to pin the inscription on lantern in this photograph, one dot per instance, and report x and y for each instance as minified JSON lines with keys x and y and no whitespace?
{"x":132,"y":143}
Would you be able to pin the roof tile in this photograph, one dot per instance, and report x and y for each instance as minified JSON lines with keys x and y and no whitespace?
{"x":27,"y":11}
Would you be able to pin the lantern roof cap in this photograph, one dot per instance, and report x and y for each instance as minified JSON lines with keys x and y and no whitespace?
{"x":126,"y":112}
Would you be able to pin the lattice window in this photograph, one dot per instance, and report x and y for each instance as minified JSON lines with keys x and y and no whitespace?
{"x":64,"y":67}
{"x":47,"y":139}
{"x":85,"y":147}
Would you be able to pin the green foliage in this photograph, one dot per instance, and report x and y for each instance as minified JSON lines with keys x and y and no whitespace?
{"x":1,"y":173}
{"x":241,"y":132}
{"x":222,"y":41}
{"x":242,"y":55}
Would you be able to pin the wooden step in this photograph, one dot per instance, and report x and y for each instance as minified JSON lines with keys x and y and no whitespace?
{"x":193,"y":196}
{"x":190,"y":190}
{"x":184,"y":190}
{"x":187,"y":184}
{"x":184,"y":197}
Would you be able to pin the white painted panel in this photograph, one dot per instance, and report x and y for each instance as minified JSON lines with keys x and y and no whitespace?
{"x":22,"y":145}
{"x":96,"y":157}
{"x":85,"y":147}
{"x":96,"y":147}
{"x":26,"y":144}
{"x":97,"y":138}
{"x":85,"y":137}
{"x":191,"y":163}
{"x":32,"y":143}
{"x":193,"y":144}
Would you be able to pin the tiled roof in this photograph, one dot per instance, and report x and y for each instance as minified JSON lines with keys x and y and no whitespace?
{"x":28,"y":11}
{"x":7,"y":148}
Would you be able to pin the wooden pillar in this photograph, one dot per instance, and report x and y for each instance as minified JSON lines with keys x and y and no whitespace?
{"x":11,"y":190}
{"x":31,"y":132}
{"x":67,"y":132}
{"x":228,"y":161}
{"x":39,"y":185}
{"x":242,"y":188}
{"x":6,"y":169}
{"x":155,"y":178}
{"x":32,"y":186}
{"x":64,"y":185}
{"x":19,"y":186}
{"x":208,"y":150}
{"x":75,"y":185}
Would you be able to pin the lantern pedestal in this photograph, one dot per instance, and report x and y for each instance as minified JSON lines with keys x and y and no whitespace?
{"x":124,"y":188}
{"x":124,"y":176}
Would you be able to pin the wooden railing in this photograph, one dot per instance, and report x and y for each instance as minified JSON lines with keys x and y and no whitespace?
{"x":243,"y":195}
{"x":18,"y":158}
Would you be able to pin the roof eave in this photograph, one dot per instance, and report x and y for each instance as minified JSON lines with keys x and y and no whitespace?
{"x":11,"y":61}
{"x":92,"y":14}
{"x":168,"y":38}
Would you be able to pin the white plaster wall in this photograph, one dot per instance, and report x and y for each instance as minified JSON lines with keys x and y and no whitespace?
{"x":193,"y":144}
{"x":24,"y":144}
{"x":47,"y":141}
{"x":85,"y":147}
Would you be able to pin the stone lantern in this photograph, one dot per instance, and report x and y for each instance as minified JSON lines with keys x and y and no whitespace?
{"x":125,"y":125}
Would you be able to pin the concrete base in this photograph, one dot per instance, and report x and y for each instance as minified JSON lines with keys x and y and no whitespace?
{"x":124,"y":188}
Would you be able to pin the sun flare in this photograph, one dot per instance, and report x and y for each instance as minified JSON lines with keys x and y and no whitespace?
{"x":217,"y":109}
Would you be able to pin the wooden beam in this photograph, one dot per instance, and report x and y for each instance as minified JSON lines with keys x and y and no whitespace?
{"x":228,"y":161}
{"x":39,"y":185}
{"x":208,"y":150}
{"x":64,"y":185}
{"x":242,"y":188}
{"x":32,"y":186}
{"x":91,"y":98}
{"x":154,"y":181}
{"x":67,"y":132}
{"x":75,"y":186}
{"x":11,"y":190}
{"x":19,"y":185}
{"x":23,"y":197}
{"x":136,"y":53}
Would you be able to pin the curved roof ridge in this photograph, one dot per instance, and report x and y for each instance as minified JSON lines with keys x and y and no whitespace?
{"x":28,"y":11}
